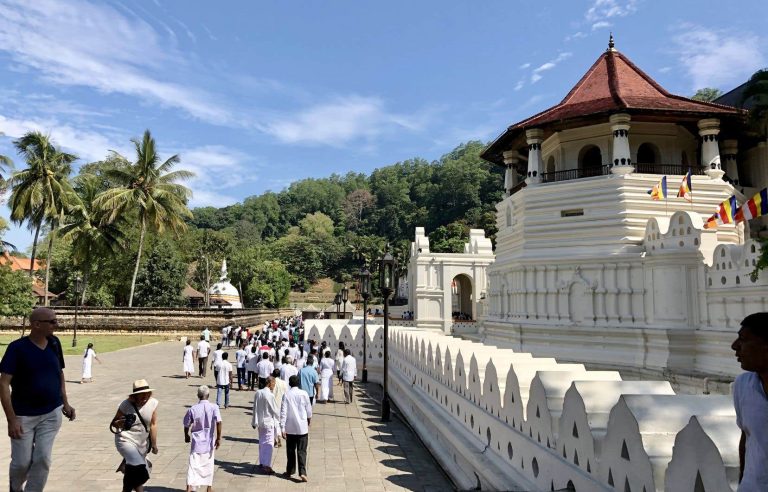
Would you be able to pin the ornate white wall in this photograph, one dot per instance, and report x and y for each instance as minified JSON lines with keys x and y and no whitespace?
{"x":507,"y":420}
{"x":626,"y":282}
{"x":430,"y":276}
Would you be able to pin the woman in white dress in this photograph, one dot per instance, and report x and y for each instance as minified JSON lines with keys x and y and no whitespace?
{"x":339,"y":360}
{"x":88,"y":357}
{"x":135,"y":429}
{"x":189,"y":359}
{"x":327,"y":368}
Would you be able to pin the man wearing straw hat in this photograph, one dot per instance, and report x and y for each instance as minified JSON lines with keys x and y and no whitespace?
{"x":201,"y":419}
{"x":34,"y":398}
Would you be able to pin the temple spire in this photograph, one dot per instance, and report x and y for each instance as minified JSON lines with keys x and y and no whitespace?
{"x":610,"y":43}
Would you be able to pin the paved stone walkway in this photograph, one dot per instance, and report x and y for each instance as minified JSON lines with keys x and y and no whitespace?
{"x":349,"y":450}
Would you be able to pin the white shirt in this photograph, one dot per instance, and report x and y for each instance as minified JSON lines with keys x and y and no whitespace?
{"x":265,"y":368}
{"x":225,"y":369}
{"x":203,"y":348}
{"x":287,"y":371}
{"x":264,"y":409}
{"x":251,"y":361}
{"x":240,"y":356}
{"x":327,"y":366}
{"x":295,"y":411}
{"x":751,"y":405}
{"x":207,"y":334}
{"x":217,"y":358}
{"x":349,"y":368}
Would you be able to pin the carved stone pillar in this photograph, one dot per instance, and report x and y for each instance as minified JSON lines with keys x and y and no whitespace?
{"x":730,"y":149}
{"x":511,"y":178}
{"x":534,"y":138}
{"x":622,"y":162}
{"x":710,"y":150}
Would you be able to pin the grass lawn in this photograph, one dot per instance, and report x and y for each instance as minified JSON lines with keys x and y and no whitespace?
{"x":101,"y":343}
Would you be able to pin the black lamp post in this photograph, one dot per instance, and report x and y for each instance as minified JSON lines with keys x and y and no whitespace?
{"x":78,"y":290}
{"x":365,"y":292}
{"x":337,"y":301}
{"x":344,"y":299}
{"x":387,"y":267}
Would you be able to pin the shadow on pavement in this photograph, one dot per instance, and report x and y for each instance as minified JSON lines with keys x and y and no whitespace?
{"x":247,"y":440}
{"x":244,"y":468}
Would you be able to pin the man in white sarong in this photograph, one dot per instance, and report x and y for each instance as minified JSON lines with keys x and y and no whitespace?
{"x":264,"y":416}
{"x":201,"y":419}
{"x":279,"y":390}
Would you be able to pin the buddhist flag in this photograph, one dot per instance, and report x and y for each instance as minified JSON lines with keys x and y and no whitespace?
{"x":659,"y":190}
{"x":724,"y":215}
{"x":685,"y":188}
{"x":754,"y":207}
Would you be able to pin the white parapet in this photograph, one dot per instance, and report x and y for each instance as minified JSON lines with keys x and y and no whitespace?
{"x":497,"y":419}
{"x":641,"y":434}
{"x":706,"y":455}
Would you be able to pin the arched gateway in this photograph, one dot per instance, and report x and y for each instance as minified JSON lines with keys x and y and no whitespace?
{"x":445,"y":288}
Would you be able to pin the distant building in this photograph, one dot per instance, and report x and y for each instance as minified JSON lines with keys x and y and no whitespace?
{"x":22,"y":264}
{"x":223,"y":293}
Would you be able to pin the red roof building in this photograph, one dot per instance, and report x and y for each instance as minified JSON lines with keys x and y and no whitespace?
{"x":613,"y":96}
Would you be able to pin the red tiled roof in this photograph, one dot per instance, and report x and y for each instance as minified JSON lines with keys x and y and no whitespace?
{"x":612,"y":84}
{"x":39,"y":291}
{"x":17,"y":263}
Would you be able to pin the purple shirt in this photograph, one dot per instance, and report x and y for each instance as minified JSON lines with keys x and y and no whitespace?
{"x":201,"y":420}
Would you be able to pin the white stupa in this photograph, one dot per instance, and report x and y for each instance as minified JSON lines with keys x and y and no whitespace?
{"x":223,"y":293}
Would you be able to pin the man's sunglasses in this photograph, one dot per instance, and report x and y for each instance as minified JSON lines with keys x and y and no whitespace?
{"x":49,"y":321}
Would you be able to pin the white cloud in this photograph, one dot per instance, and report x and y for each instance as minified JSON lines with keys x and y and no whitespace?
{"x":87,"y":144}
{"x":217,"y":169}
{"x":606,"y":9}
{"x":715,"y":58}
{"x":519,"y":85}
{"x":524,"y":66}
{"x":601,"y":25}
{"x":341,"y":121}
{"x":94,"y":45}
{"x":576,"y":35}
{"x":536,"y":76}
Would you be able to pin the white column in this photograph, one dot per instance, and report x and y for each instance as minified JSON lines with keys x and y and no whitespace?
{"x":511,"y":178}
{"x":534,"y":138}
{"x":710,"y":151}
{"x":621,"y":160}
{"x":730,"y":149}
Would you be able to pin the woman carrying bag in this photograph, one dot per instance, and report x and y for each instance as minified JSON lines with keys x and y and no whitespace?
{"x":135,"y":429}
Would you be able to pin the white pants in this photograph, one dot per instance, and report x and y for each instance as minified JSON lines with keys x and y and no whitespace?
{"x":31,"y":453}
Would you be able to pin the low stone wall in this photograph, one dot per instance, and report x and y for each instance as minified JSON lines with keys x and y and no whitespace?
{"x":151,"y":320}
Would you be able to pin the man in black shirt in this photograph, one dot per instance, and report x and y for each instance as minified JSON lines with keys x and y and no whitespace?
{"x":34,"y":397}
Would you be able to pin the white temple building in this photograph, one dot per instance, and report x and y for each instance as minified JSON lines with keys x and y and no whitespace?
{"x":223,"y":293}
{"x":587,"y":266}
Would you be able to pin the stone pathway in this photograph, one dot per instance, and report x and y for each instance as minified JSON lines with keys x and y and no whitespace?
{"x":349,"y":450}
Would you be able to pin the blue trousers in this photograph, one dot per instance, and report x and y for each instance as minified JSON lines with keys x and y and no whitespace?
{"x":222,"y":388}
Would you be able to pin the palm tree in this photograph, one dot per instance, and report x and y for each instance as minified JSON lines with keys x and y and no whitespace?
{"x":149,"y":188}
{"x":91,"y":236}
{"x":41,"y":192}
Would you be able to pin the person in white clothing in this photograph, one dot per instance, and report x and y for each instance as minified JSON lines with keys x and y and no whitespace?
{"x":216,"y":360}
{"x":264,"y":369}
{"x":250,"y":366}
{"x":203,"y":348}
{"x":223,"y":380}
{"x":265,"y":414}
{"x":288,"y":369}
{"x":348,"y":374}
{"x":750,"y":397}
{"x":88,"y":358}
{"x":281,"y":387}
{"x":339,"y":360}
{"x":295,"y":418}
{"x":188,"y":359}
{"x":240,"y":357}
{"x":327,"y":368}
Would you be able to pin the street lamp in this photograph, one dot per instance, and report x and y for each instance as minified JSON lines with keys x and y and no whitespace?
{"x":344,"y":299}
{"x":337,"y":301}
{"x":78,"y":290}
{"x":365,"y":292}
{"x":387,"y":267}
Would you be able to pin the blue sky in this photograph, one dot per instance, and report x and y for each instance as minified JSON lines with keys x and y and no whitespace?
{"x":256,"y":94}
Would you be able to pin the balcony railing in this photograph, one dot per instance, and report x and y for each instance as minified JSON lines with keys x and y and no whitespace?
{"x":673,"y":169}
{"x":568,"y":174}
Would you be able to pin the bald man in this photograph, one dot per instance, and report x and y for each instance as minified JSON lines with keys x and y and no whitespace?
{"x":34,"y":398}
